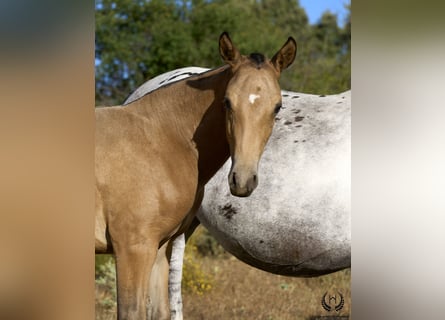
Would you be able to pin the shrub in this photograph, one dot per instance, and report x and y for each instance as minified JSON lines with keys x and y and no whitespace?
{"x":200,"y":244}
{"x":105,"y":284}
{"x":206,"y":244}
{"x":193,"y":278}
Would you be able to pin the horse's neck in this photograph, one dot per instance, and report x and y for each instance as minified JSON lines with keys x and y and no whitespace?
{"x":194,"y":109}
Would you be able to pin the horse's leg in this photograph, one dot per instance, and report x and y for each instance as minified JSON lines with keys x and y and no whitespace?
{"x":159,"y":307}
{"x":133,"y":268}
{"x":175,"y":275}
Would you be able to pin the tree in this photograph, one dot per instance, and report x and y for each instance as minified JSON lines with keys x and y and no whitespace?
{"x":327,"y":60}
{"x":136,"y":40}
{"x":139,"y":39}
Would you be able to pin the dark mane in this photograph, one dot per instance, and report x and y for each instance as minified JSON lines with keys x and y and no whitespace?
{"x":257,"y":58}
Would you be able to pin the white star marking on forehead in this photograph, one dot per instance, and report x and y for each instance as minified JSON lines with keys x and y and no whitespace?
{"x":253,"y":97}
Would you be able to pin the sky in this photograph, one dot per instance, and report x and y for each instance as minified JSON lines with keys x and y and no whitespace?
{"x":315,"y":8}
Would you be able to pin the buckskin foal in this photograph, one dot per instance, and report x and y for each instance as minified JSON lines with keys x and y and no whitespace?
{"x":154,"y":156}
{"x":297,"y":223}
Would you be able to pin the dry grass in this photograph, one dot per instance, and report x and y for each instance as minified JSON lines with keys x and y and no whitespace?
{"x":221,"y":287}
{"x":242,"y":292}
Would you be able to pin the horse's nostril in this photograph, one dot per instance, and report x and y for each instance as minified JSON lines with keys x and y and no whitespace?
{"x":234,"y":179}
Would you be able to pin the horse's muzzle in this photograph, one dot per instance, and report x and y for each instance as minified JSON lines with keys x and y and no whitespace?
{"x":242,"y":185}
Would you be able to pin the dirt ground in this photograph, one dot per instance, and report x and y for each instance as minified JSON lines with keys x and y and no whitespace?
{"x":242,"y":292}
{"x":239,"y":291}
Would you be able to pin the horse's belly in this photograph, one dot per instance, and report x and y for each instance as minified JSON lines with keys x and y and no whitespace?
{"x":100,"y":227}
{"x":279,"y":228}
{"x":281,"y":238}
{"x":101,"y":244}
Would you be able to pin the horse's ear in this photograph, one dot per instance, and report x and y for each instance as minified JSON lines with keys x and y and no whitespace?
{"x":285,"y":56}
{"x":228,"y":52}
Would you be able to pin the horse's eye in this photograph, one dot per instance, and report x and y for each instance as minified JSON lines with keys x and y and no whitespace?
{"x":227,"y":103}
{"x":277,"y":108}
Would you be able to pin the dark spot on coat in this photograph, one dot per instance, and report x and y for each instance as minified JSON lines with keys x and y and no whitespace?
{"x":285,"y":95}
{"x":261,"y":241}
{"x":228,"y":211}
{"x":295,"y":97}
{"x":288,"y":122}
{"x":322,"y":95}
{"x":298,"y":118}
{"x":339,"y":102}
{"x":298,"y":126}
{"x":297,"y":111}
{"x":295,"y":141}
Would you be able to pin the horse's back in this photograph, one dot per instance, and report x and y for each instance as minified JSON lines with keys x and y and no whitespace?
{"x":163,"y":79}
